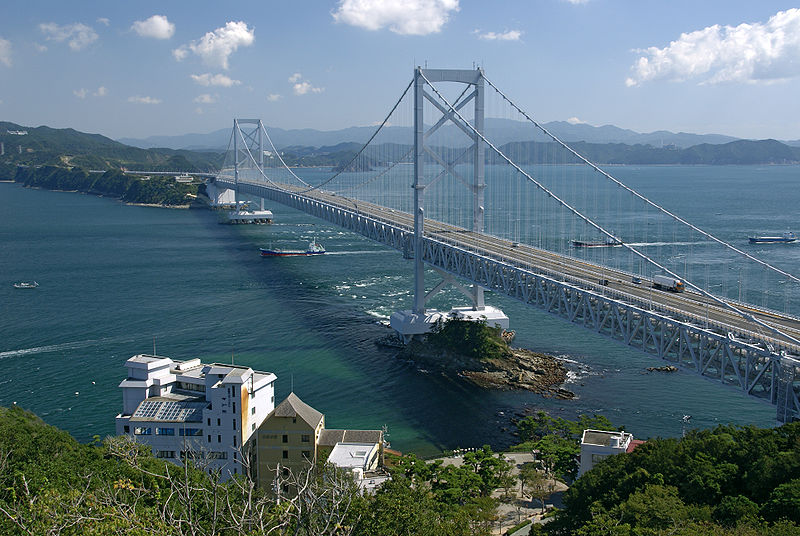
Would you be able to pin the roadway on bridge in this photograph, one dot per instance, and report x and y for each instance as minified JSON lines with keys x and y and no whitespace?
{"x":688,"y":305}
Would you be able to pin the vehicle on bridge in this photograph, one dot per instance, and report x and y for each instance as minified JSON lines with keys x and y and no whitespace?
{"x":666,"y":282}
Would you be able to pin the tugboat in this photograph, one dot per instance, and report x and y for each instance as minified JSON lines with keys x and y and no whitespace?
{"x":786,"y":238}
{"x":314,"y":248}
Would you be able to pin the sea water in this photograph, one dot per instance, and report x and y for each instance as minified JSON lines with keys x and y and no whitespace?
{"x":117,"y":280}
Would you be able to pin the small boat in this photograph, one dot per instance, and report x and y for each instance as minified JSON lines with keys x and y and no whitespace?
{"x":607,"y":243}
{"x":786,"y":238}
{"x":26,"y":284}
{"x":314,"y":248}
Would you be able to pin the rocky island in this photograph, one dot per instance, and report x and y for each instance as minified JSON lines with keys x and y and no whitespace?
{"x":481,"y":355}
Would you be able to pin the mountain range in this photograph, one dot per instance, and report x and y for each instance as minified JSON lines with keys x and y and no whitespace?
{"x":500,"y":131}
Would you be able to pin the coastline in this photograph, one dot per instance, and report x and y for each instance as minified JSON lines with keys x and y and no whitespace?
{"x":522,"y":369}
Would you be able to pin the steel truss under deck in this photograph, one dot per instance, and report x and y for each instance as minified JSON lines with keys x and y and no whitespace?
{"x":683,"y":340}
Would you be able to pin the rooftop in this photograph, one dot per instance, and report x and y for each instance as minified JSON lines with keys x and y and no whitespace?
{"x":329,"y":438}
{"x":172,"y":409}
{"x":294,"y":407}
{"x":351,"y":455}
{"x":605,"y":438}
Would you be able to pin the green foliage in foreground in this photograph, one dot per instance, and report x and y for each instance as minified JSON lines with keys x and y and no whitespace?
{"x":730,"y":480}
{"x":113,"y":183}
{"x":51,"y":484}
{"x":476,"y":340}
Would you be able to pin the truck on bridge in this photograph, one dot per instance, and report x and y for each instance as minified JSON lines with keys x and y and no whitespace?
{"x":667,"y":282}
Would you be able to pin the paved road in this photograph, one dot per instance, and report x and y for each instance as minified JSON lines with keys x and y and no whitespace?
{"x":581,"y":273}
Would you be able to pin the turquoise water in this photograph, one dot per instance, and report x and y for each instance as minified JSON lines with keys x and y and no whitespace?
{"x":114,"y":277}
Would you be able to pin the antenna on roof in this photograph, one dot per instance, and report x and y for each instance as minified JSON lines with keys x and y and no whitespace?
{"x":231,"y":356}
{"x":292,"y":383}
{"x":154,"y":345}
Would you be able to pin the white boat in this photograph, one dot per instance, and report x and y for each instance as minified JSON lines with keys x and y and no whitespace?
{"x":786,"y":238}
{"x":26,"y":284}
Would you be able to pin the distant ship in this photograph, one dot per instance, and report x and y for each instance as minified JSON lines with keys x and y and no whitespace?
{"x":787,"y":238}
{"x":607,"y":243}
{"x":26,"y":284}
{"x":314,"y":248}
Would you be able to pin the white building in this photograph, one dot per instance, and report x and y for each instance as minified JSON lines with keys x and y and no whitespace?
{"x":187,"y":408}
{"x":599,"y":444}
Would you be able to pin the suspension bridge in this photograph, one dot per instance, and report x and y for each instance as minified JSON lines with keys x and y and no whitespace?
{"x":467,"y":184}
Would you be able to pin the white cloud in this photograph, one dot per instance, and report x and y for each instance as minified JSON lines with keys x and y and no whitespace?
{"x":77,"y":35}
{"x":303,"y":87}
{"x":216,"y":47}
{"x":577,"y":2}
{"x":274,"y":97}
{"x":756,"y":52}
{"x":205,"y":98}
{"x":80,"y":93}
{"x":208,"y":79}
{"x":510,"y":35}
{"x":157,"y":27}
{"x":144,"y":100}
{"x":39,"y":47}
{"x":104,"y":21}
{"x":5,"y":52}
{"x":575,"y":121}
{"x":404,"y":17}
{"x":101,"y":92}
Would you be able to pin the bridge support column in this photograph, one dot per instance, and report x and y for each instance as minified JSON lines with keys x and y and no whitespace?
{"x":418,"y":320}
{"x":220,"y":197}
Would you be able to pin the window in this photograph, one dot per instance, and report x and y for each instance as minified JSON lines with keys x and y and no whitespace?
{"x":219,"y":439}
{"x":218,"y":421}
{"x":234,"y":424}
{"x":305,"y":438}
{"x":307,"y":455}
{"x":143,"y":430}
{"x":253,"y":411}
{"x":285,"y":438}
{"x":209,"y":438}
{"x":285,"y":454}
{"x":294,"y":420}
{"x":209,"y":421}
{"x":190,"y":432}
{"x":254,"y":427}
{"x":285,"y":472}
{"x":234,"y":440}
{"x":598,"y":457}
{"x":165,"y":431}
{"x":126,"y":429}
{"x":234,"y":406}
{"x":165,"y":454}
{"x":273,"y":399}
{"x":218,"y":455}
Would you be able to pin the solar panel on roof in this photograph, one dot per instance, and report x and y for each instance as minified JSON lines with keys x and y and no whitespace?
{"x":176,"y":411}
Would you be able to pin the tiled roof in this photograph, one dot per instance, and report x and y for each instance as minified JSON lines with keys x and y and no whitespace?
{"x":294,"y":407}
{"x":329,"y":438}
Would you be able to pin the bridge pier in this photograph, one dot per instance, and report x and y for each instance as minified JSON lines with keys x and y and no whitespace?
{"x":419,"y":321}
{"x":220,"y":197}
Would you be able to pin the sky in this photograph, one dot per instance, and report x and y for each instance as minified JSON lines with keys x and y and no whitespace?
{"x":135,"y":69}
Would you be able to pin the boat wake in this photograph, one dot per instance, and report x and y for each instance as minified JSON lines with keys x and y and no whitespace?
{"x":48,"y":348}
{"x":654,"y":244}
{"x":377,"y":252}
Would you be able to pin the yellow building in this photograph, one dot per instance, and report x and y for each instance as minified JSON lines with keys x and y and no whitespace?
{"x":293,"y":437}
